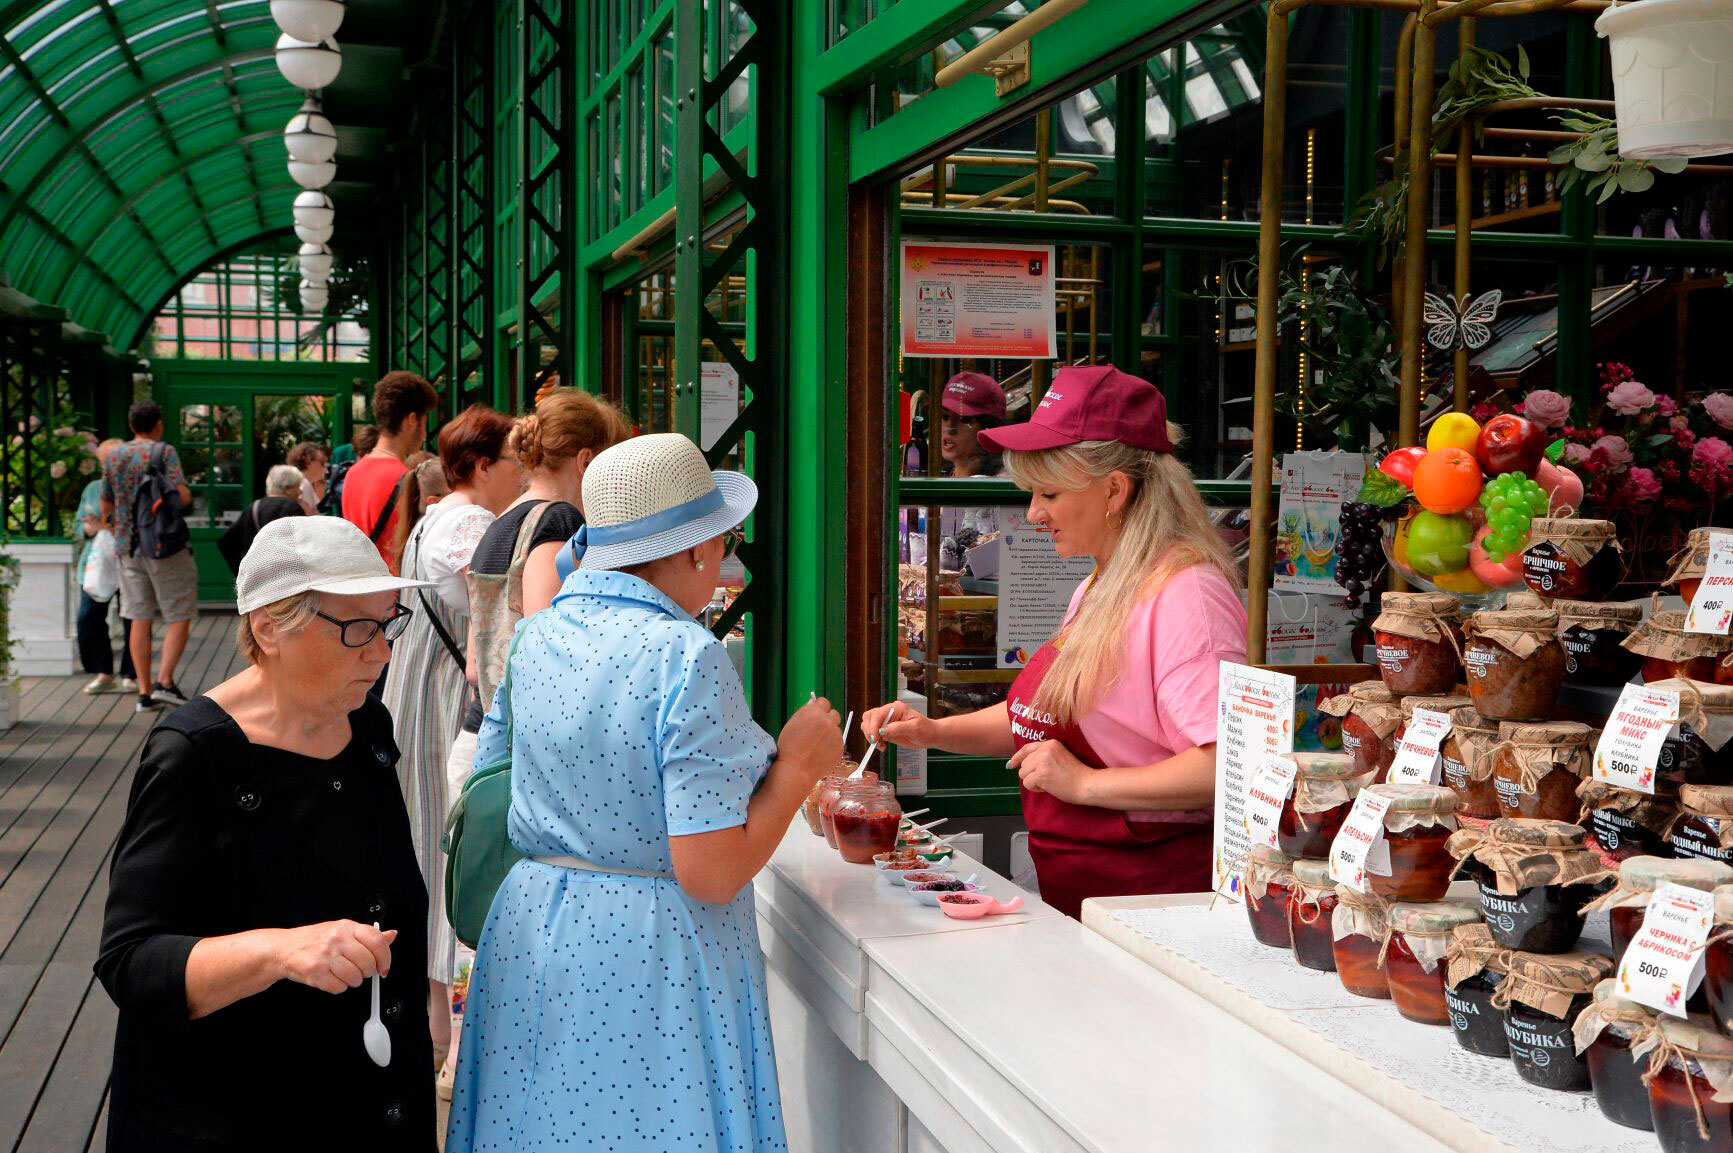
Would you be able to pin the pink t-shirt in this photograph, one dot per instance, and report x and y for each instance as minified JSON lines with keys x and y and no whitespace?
{"x":1164,"y":699}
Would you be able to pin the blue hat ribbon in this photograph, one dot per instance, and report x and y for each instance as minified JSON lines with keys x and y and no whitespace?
{"x":669,"y":518}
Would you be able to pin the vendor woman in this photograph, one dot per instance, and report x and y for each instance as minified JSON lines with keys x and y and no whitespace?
{"x":1111,"y":726}
{"x":972,"y":404}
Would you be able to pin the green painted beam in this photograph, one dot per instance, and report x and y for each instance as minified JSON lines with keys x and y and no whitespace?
{"x":892,"y":37}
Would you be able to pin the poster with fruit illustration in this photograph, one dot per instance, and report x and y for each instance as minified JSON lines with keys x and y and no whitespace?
{"x":1308,"y":519}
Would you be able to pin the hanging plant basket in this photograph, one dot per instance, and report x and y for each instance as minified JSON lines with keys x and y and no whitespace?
{"x":1672,"y":76}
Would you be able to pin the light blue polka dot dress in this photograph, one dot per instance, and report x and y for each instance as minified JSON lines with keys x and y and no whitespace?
{"x":610,"y":1012}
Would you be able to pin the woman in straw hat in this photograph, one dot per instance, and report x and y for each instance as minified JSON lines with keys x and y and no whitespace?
{"x":618,"y":995}
{"x":265,"y":872}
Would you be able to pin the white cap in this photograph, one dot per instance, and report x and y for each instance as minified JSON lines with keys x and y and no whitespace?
{"x":325,"y":554}
{"x":653,"y":496}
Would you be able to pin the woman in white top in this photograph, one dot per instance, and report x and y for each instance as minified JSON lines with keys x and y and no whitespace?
{"x":428,"y":687}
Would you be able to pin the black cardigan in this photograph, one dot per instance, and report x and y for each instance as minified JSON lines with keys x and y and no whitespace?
{"x":223,"y":836}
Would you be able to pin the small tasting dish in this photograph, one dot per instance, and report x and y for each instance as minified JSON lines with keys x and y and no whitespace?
{"x":898,"y":873}
{"x":930,"y":893}
{"x":972,"y":906}
{"x":882,"y":861}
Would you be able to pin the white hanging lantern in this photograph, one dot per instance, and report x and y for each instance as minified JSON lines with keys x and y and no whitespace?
{"x":315,"y":210}
{"x":1672,"y":76}
{"x":310,"y":137}
{"x":312,"y":235}
{"x":314,"y":297}
{"x":316,"y":260}
{"x":308,"y":19}
{"x":317,"y":279}
{"x":308,"y":63}
{"x":312,"y":175}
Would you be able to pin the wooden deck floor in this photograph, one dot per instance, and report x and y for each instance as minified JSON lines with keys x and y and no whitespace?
{"x":65,"y":771}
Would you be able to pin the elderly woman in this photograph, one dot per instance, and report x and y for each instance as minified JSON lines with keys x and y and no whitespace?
{"x":311,"y":459}
{"x":265,"y":873}
{"x":282,"y":498}
{"x":618,"y":995}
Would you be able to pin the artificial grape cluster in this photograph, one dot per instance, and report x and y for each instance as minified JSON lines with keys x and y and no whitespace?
{"x":1511,"y":501}
{"x":1359,"y":554}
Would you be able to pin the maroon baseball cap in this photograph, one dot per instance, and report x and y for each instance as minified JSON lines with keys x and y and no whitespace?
{"x":974,"y":394}
{"x":1093,"y":402}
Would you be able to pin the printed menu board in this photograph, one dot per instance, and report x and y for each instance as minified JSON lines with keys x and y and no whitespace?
{"x":1254,"y":720}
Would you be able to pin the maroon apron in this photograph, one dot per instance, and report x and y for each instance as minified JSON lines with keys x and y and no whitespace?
{"x":1083,"y":851}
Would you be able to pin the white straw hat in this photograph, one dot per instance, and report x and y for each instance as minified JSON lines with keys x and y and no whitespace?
{"x":325,"y":554}
{"x":651,"y":497}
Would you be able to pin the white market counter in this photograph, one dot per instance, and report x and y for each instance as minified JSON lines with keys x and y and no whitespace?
{"x":899,"y":1030}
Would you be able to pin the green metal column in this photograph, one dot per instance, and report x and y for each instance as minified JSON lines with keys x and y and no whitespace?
{"x":546,"y":225}
{"x":473,"y":308}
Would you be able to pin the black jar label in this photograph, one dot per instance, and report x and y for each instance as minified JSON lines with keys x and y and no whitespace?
{"x":1543,"y":567}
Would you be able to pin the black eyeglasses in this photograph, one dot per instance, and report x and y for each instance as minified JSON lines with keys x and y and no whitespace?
{"x":732,"y":540}
{"x":359,"y":632}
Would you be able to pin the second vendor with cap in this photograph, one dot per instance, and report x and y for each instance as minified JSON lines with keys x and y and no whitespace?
{"x":1110,"y":726}
{"x":972,"y":404}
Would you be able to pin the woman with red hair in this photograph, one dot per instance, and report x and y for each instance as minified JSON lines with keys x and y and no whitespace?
{"x":430,"y":684}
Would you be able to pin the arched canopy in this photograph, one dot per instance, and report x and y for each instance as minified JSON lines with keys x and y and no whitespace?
{"x":141,"y":139}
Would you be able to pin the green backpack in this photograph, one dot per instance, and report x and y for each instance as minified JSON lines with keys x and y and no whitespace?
{"x":478,"y":851}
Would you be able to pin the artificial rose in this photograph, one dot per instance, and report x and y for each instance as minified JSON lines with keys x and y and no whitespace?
{"x":1629,"y":398}
{"x":1610,"y":454}
{"x":66,"y":431}
{"x":1719,"y":406}
{"x":1547,"y":408}
{"x":1665,"y":406}
{"x":1640,"y":486}
{"x":1684,"y":438}
{"x":57,"y":469}
{"x":1712,"y":452}
{"x":1577,"y":454}
{"x":1485,"y":411}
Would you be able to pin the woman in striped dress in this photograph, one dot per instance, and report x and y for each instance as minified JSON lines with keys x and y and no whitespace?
{"x":430,"y":685}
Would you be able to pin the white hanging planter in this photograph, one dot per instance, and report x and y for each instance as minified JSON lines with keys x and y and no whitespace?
{"x":1672,"y":76}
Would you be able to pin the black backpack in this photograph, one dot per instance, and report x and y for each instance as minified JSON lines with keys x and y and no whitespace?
{"x":158,"y":528}
{"x":331,"y":504}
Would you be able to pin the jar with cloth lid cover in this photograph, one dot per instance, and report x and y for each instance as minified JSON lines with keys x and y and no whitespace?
{"x":1572,"y":558}
{"x":1669,"y":651}
{"x":1357,"y":929}
{"x":1690,"y":563}
{"x":1466,"y":759}
{"x":1699,"y":750}
{"x":1627,"y":901}
{"x":1542,"y":996}
{"x":1704,"y":826}
{"x":1446,"y":703}
{"x":1717,"y":988}
{"x":1370,"y":713}
{"x":1268,"y":882}
{"x":1417,"y":824}
{"x":1311,"y":916}
{"x":1593,"y":635}
{"x":1534,"y":878}
{"x":1419,"y":936}
{"x":1419,"y":642}
{"x":1474,"y":967}
{"x":1324,"y":790}
{"x":1624,"y":823}
{"x":1537,"y":768}
{"x":1690,"y":1080}
{"x":1514,"y":662}
{"x":1611,"y":1034}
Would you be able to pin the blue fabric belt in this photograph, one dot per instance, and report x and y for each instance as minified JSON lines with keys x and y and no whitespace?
{"x":590,"y":535}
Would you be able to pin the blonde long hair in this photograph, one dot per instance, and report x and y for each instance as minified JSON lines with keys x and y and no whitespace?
{"x":1165,"y":530}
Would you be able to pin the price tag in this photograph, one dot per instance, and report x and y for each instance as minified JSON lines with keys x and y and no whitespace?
{"x":1360,"y":848}
{"x":1268,"y":790}
{"x":1664,"y":963}
{"x":1417,"y":759}
{"x":1712,"y":607}
{"x":1630,"y":745}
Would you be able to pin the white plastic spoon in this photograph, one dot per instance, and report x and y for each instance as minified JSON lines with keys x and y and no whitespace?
{"x":374,"y":1034}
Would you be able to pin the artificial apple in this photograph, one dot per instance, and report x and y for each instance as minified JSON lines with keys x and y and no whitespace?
{"x":1438,"y":543}
{"x":1497,"y":574}
{"x":1510,"y":443}
{"x":1563,"y":487}
{"x":1399,"y":465}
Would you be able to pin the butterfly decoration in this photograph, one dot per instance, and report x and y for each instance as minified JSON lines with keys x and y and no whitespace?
{"x":1460,"y":323}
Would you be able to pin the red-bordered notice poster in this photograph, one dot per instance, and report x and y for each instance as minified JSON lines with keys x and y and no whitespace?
{"x":978,"y":300}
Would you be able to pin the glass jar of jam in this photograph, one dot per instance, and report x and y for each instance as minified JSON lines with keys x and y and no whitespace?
{"x":1446,"y":703}
{"x":1534,"y":879}
{"x":1623,"y":823}
{"x":865,"y":817}
{"x":1688,"y":1068}
{"x":1358,"y":929}
{"x":1704,"y":826}
{"x":1466,"y":760}
{"x":1324,"y":790}
{"x":1417,"y":824}
{"x":828,"y":790}
{"x":1515,"y":663}
{"x":1572,"y":559}
{"x":1690,"y":563}
{"x":1370,"y":713}
{"x":1699,"y":750}
{"x":1312,"y":916}
{"x":1537,"y":768}
{"x":1717,"y":987}
{"x":1626,"y":902}
{"x":1605,"y":1032}
{"x":1419,"y":642}
{"x":1413,"y":959}
{"x":1593,"y":635}
{"x":1269,"y":881}
{"x":1543,"y":995}
{"x":1669,"y":651}
{"x":1475,"y":966}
